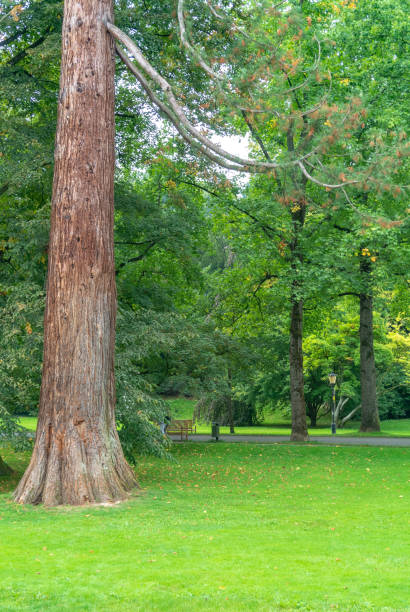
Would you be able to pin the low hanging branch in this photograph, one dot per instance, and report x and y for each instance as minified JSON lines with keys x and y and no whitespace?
{"x":189,"y":47}
{"x":357,"y":408}
{"x":178,"y":117}
{"x":349,"y":416}
{"x":219,"y":78}
{"x":321,"y":183}
{"x":168,"y":112}
{"x":247,"y":95}
{"x":340,"y":405}
{"x":214,"y":13}
{"x":176,"y":114}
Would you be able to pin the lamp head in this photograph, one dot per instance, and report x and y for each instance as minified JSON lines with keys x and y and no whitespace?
{"x":332,"y":378}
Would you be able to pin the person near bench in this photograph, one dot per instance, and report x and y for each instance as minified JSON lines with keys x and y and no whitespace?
{"x":163,"y":426}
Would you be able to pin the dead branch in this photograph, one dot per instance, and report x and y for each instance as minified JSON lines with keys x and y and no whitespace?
{"x":340,"y":405}
{"x":327,"y":185}
{"x":349,"y":416}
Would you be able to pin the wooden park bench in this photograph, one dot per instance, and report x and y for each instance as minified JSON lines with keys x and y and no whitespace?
{"x":181,"y":427}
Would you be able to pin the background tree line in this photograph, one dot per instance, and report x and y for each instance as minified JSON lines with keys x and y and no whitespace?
{"x":218,"y":277}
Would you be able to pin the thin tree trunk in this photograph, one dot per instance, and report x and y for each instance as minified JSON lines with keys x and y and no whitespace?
{"x":5,"y":470}
{"x":297,"y":392}
{"x":77,"y":457}
{"x":230,"y":403}
{"x":370,"y":413}
{"x":313,"y":417}
{"x":297,"y":395}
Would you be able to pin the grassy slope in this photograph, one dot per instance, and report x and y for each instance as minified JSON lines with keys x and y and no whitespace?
{"x":225,"y":527}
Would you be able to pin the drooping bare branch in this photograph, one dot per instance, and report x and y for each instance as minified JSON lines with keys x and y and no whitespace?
{"x":340,"y":405}
{"x":365,"y":216}
{"x":349,"y":416}
{"x":168,"y":104}
{"x":168,"y":113}
{"x":189,"y":47}
{"x":321,"y":183}
{"x":177,"y":114}
{"x":214,"y":13}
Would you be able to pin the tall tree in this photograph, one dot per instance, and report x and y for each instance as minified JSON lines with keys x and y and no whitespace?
{"x":77,"y":456}
{"x":237,"y":63}
{"x":271,"y":89}
{"x":372,"y":42}
{"x":370,"y":413}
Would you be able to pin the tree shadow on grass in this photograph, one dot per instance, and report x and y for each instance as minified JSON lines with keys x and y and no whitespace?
{"x":17,"y":463}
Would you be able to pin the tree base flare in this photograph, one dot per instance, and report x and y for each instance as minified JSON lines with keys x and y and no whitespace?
{"x":65,"y":470}
{"x":370,"y":429}
{"x":299,"y":437}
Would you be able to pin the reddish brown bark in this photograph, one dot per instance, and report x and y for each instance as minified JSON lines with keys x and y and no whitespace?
{"x":77,"y":456}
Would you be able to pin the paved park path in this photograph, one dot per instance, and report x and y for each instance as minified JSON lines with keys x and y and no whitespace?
{"x":334,"y":440}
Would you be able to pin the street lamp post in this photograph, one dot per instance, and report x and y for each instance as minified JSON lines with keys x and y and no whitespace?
{"x":332,"y":381}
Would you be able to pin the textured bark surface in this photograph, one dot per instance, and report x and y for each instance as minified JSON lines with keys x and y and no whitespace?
{"x":297,"y":394}
{"x":5,"y":470}
{"x":370,"y":413}
{"x":77,"y":457}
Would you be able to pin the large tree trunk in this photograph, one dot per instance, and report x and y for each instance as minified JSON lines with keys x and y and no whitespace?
{"x":77,"y":457}
{"x":370,"y":413}
{"x":5,"y":470}
{"x":297,"y":394}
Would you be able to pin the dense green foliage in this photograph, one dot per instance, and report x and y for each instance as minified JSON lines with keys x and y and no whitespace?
{"x":208,"y":265}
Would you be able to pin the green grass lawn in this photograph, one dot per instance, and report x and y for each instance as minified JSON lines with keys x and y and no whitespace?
{"x":273,"y":425}
{"x":183,"y":408}
{"x":223,"y":528}
{"x":28,"y":422}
